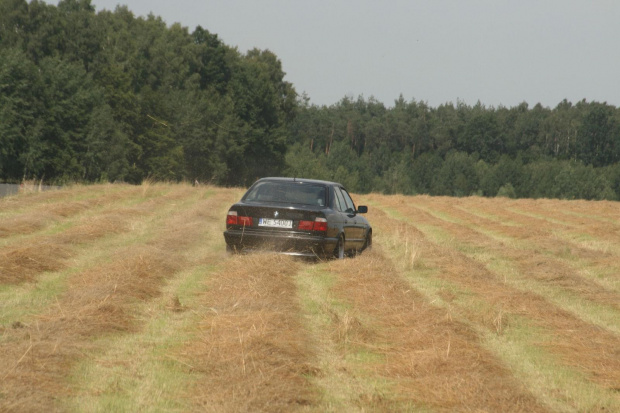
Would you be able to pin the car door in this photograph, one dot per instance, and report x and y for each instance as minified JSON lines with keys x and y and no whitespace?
{"x":348,"y":223}
{"x":353,"y":226}
{"x":358,"y":222}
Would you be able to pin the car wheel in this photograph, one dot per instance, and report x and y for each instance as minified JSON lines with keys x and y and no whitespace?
{"x":368,"y":242}
{"x":339,"y":251}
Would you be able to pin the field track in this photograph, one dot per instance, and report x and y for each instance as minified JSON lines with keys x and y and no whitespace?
{"x":122,"y":298}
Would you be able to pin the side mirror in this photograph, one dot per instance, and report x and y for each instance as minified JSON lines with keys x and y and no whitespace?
{"x":362,"y":209}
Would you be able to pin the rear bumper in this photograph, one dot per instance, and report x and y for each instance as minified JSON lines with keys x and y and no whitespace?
{"x":285,"y":243}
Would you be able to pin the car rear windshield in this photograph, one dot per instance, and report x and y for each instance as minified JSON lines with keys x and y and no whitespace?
{"x":287,"y":192}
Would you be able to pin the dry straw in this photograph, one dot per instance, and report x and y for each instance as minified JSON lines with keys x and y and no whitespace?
{"x":435,"y":360}
{"x":36,"y":357}
{"x":253,"y":353}
{"x":460,"y":260}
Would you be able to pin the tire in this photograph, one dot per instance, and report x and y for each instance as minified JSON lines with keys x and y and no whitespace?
{"x":339,"y":251}
{"x":368,"y":242}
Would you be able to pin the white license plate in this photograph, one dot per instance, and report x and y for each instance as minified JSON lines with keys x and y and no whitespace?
{"x":275,"y":223}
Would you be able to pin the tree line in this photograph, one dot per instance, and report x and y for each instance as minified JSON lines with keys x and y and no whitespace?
{"x":88,"y":96}
{"x":91,"y":96}
{"x":571,"y":151}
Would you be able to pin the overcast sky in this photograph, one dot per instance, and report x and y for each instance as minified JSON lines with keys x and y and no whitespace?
{"x":500,"y":52}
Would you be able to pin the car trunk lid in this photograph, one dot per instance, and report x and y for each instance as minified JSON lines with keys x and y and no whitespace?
{"x":279,"y":217}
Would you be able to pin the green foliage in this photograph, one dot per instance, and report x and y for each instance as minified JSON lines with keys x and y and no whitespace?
{"x":20,"y":111}
{"x":613,"y":177}
{"x":597,"y":137}
{"x":507,"y":191}
{"x":458,"y":150}
{"x":107,"y":148}
{"x":88,"y":96}
{"x":457,"y":176}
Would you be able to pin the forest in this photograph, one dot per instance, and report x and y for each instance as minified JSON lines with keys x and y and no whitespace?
{"x":106,"y":96}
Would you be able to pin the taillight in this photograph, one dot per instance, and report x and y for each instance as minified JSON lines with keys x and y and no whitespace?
{"x":233,"y":219}
{"x":319,"y":224}
{"x":306,"y":225}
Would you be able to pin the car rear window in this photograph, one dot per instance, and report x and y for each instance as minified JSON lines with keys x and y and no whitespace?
{"x":287,"y":192}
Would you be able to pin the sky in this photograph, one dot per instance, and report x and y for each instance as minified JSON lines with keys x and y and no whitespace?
{"x":497,"y":52}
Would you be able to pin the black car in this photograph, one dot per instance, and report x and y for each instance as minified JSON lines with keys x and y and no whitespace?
{"x":296,"y":216}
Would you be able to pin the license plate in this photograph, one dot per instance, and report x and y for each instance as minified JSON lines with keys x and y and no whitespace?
{"x":275,"y":223}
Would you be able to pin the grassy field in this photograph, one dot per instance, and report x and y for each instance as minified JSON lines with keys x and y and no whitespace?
{"x":122,"y":298}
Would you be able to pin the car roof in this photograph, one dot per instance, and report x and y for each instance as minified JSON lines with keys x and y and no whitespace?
{"x":300,"y":180}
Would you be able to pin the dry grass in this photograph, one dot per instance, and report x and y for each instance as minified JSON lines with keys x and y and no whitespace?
{"x":464,"y":305}
{"x":26,"y":257}
{"x":253,"y":353}
{"x":39,"y":353}
{"x":16,"y":212}
{"x":578,"y":344}
{"x":23,"y":225}
{"x":32,"y":199}
{"x":152,"y":376}
{"x":534,"y":250}
{"x":24,"y":260}
{"x":434,"y":360}
{"x":101,"y":302}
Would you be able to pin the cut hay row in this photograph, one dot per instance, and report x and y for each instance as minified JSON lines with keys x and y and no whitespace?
{"x":38,"y":354}
{"x":599,"y":220}
{"x":490,"y":304}
{"x":24,"y":214}
{"x":26,"y":298}
{"x":30,"y":256}
{"x":543,"y":257}
{"x":343,"y":381}
{"x":532,"y":265}
{"x":153,"y":375}
{"x":594,"y":254}
{"x":591,"y":248}
{"x":528,"y":219}
{"x":586,"y":234}
{"x":574,"y":212}
{"x":461,"y":306}
{"x":54,"y":218}
{"x":36,"y":219}
{"x":251,"y":351}
{"x":430,"y":360}
{"x":584,"y":241}
{"x":29,"y":200}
